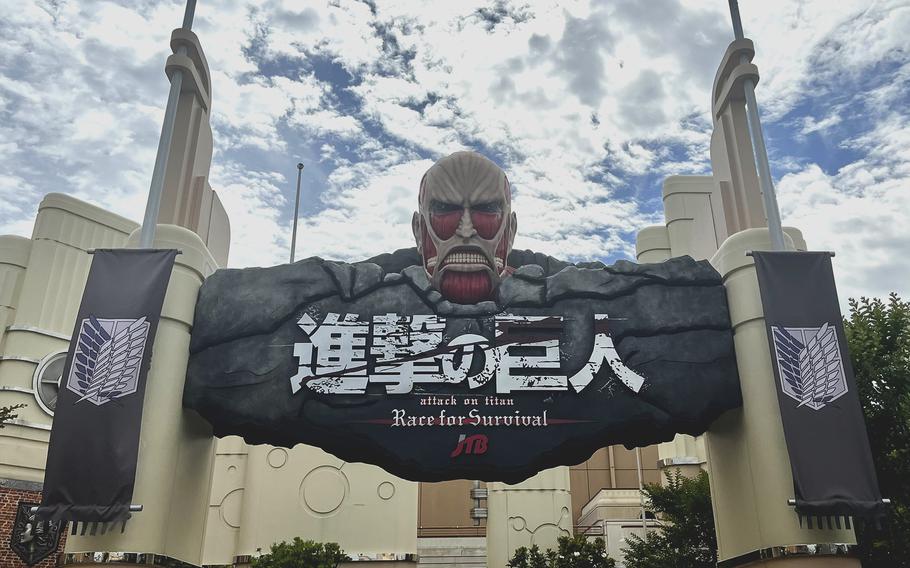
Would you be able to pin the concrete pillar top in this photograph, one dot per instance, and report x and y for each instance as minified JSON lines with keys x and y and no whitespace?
{"x":194,"y":254}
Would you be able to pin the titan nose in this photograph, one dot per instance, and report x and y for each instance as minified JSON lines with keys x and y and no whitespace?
{"x":466,"y":228}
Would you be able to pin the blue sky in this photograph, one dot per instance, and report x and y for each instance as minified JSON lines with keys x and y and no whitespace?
{"x":587,"y":105}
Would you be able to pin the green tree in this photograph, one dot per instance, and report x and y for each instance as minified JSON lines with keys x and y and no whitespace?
{"x":879,"y":336}
{"x":529,"y":558}
{"x":302,"y":554}
{"x":571,"y":552}
{"x":8,"y":413}
{"x":684,"y":537}
{"x":878,"y":333}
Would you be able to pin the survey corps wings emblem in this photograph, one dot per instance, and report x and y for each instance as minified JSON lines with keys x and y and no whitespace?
{"x":809,"y":360}
{"x":33,"y":540}
{"x":107,"y":358}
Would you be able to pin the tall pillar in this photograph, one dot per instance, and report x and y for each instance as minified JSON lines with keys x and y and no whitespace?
{"x":694,"y":213}
{"x":747,"y":454}
{"x":176,"y":447}
{"x":535,"y":511}
{"x":732,"y":158}
{"x":188,"y":199}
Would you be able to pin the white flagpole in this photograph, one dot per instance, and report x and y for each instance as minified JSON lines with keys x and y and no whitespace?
{"x":758,"y":144}
{"x":153,"y":206}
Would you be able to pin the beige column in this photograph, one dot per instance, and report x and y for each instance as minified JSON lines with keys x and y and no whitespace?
{"x":747,"y":454}
{"x":14,"y":253}
{"x":176,"y":447}
{"x":535,"y":511}
{"x":23,"y":442}
{"x":652,"y":244}
{"x":732,"y":158}
{"x":694,"y":212}
{"x":188,"y":199}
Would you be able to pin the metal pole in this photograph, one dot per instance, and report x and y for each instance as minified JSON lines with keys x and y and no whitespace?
{"x":758,"y":144}
{"x":641,"y":495}
{"x":737,"y":21}
{"x":188,"y":14}
{"x":476,"y":503}
{"x":133,"y":509}
{"x":153,"y":205}
{"x":296,"y":208}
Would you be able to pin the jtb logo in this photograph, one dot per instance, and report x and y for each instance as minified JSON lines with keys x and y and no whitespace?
{"x":476,"y":444}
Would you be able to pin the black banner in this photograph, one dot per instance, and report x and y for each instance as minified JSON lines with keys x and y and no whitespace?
{"x":832,"y":467}
{"x":94,"y":444}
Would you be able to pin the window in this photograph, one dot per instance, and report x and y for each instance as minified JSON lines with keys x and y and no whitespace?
{"x":47,"y":380}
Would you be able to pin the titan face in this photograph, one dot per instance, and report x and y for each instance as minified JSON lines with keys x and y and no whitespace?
{"x":464,"y":226}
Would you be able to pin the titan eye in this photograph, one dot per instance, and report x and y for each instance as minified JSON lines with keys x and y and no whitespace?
{"x":441,"y":207}
{"x":490,"y":207}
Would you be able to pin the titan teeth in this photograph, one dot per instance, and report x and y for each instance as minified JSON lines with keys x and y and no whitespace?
{"x":465,"y":258}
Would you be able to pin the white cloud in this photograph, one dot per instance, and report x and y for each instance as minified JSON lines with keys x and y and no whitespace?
{"x":805,"y":46}
{"x":252,"y":200}
{"x":810,"y":124}
{"x":862,"y":212}
{"x":368,"y":214}
{"x":562,"y":93}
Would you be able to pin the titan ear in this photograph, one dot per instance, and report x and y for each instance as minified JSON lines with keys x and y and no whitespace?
{"x":514,"y":222}
{"x":415,"y":228}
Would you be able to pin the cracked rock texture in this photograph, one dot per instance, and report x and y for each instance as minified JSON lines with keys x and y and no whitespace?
{"x":669,"y":323}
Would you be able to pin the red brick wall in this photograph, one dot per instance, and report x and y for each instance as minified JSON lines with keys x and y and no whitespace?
{"x":9,"y":503}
